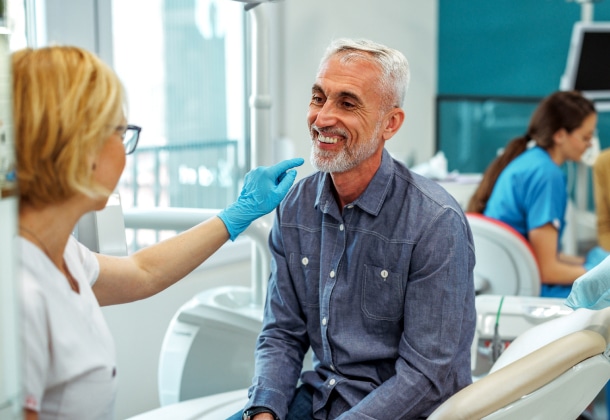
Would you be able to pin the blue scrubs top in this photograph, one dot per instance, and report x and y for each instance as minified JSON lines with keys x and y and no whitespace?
{"x":529,"y":193}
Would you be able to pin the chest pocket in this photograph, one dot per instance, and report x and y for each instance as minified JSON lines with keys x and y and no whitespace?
{"x":306,"y":274}
{"x":382,"y":294}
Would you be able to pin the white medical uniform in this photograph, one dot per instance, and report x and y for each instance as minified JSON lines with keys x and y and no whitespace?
{"x":68,"y":352}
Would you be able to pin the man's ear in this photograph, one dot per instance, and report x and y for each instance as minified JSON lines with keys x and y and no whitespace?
{"x":392,"y":122}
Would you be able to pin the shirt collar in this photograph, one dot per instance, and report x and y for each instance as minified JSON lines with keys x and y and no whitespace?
{"x":371,"y":200}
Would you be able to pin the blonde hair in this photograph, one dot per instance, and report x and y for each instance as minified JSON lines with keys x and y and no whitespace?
{"x":67,"y":102}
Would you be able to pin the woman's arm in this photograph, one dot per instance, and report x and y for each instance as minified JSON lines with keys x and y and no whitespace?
{"x":601,"y":183}
{"x":552,"y":269}
{"x":571,"y":259}
{"x":152,"y":269}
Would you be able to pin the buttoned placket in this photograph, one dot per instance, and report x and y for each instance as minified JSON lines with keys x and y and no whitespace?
{"x":339,"y":237}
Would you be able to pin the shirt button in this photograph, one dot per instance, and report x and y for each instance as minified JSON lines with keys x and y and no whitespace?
{"x":332,"y":382}
{"x":350,"y":206}
{"x":341,"y":227}
{"x":305,"y":261}
{"x":332,"y":274}
{"x":324,"y":321}
{"x":332,"y":367}
{"x":384,"y":274}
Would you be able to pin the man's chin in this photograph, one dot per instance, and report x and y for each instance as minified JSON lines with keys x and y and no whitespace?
{"x":331,"y":162}
{"x":330,"y":167}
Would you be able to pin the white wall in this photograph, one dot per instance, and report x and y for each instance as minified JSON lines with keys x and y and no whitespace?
{"x":308,"y":26}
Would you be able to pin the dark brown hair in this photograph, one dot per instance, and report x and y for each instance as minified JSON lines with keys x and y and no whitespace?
{"x":560,"y":110}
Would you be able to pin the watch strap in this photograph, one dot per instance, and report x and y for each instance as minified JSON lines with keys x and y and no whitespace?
{"x":252,"y":411}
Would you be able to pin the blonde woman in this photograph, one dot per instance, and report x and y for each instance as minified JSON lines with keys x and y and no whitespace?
{"x":71,"y":138}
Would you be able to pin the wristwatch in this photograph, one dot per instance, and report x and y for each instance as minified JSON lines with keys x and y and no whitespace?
{"x":252,"y":411}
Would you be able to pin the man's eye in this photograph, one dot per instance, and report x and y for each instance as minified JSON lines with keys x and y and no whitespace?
{"x":316,"y":99}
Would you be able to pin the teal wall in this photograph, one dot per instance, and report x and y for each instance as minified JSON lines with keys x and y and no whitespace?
{"x":506,"y":47}
{"x":500,"y":48}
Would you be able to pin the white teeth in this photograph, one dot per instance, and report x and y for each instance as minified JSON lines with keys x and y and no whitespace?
{"x":329,"y":140}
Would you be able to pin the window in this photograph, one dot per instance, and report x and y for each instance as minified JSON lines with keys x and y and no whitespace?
{"x":183,"y":66}
{"x":16,"y":23}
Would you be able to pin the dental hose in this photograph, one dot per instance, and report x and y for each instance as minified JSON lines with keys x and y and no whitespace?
{"x":496,"y":342}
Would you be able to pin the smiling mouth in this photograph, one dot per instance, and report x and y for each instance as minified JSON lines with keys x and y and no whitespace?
{"x":327,"y":140}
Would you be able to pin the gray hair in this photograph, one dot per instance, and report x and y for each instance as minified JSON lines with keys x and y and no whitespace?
{"x":392,"y":63}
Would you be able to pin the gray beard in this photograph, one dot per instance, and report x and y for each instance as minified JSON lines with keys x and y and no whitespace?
{"x":346,"y":159}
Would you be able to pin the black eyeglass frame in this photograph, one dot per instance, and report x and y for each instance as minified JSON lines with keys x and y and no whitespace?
{"x":131,"y":143}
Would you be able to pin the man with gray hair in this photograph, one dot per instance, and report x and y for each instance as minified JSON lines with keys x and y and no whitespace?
{"x":372,"y":264}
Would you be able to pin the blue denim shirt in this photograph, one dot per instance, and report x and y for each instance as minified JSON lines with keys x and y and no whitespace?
{"x":382,"y":290}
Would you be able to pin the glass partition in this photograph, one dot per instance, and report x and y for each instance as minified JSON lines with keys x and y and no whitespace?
{"x":471,"y":131}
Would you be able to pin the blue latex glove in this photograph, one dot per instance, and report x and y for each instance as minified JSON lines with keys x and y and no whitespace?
{"x":592,"y":289}
{"x":264,"y":188}
{"x":594,"y":257}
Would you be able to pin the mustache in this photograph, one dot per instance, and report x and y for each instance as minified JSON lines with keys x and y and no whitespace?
{"x":327,"y":131}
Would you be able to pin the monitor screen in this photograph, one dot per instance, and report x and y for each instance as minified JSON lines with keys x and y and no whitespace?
{"x":588,"y":65}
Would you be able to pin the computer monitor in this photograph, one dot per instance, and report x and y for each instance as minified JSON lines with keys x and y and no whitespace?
{"x":588,"y":65}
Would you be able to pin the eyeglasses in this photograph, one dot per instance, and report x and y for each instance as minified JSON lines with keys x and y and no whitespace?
{"x":130,"y":135}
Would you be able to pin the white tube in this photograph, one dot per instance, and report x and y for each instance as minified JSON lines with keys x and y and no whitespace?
{"x":586,"y":11}
{"x":260,"y":119}
{"x":260,"y":99}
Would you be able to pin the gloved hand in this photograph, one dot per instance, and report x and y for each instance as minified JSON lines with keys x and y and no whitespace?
{"x":264,"y":188}
{"x":592,"y":289}
{"x":594,"y":257}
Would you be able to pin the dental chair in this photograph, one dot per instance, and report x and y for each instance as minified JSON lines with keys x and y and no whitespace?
{"x":501,"y":319}
{"x":551,"y":371}
{"x":505,"y":261}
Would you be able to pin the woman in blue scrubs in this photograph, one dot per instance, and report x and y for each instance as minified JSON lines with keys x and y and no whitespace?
{"x":526,"y":188}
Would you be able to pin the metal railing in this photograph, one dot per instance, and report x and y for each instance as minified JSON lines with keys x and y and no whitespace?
{"x":153,"y":171}
{"x":192,"y":175}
